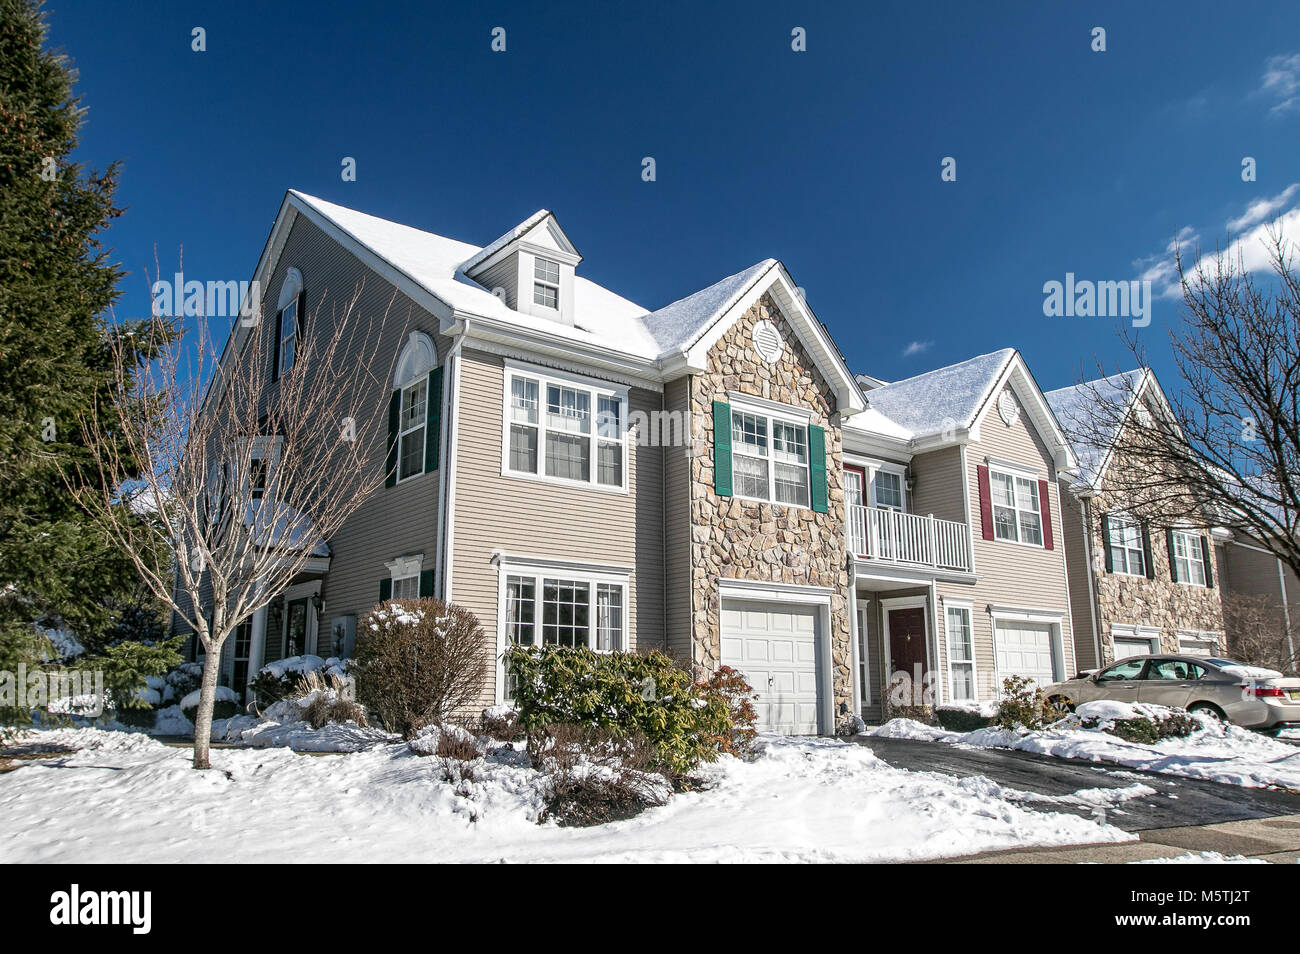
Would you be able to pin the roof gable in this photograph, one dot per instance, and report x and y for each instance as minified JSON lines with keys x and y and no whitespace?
{"x":1075,"y":406}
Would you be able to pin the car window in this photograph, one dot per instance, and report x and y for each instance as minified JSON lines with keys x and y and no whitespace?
{"x":1179,"y":669}
{"x":1127,"y":669}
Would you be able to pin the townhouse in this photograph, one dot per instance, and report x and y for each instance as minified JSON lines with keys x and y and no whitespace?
{"x":1135,"y":588}
{"x":706,"y":478}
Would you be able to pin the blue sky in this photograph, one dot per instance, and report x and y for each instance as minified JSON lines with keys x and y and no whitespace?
{"x":1068,"y":160}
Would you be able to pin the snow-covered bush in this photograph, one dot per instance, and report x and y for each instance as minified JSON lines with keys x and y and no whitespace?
{"x":283,"y":678}
{"x":956,"y":717}
{"x":225,"y":707}
{"x":501,"y":723}
{"x":597,"y":777}
{"x":332,"y":704}
{"x":1136,"y":722}
{"x":418,"y":662}
{"x":624,"y":694}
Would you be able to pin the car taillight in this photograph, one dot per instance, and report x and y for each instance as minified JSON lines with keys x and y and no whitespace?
{"x":1266,"y":692}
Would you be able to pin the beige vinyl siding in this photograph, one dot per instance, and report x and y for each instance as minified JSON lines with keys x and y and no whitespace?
{"x":504,"y":275}
{"x":1079,"y":575}
{"x":1011,"y":574}
{"x":939,"y":489}
{"x":393,"y":521}
{"x":536,"y":518}
{"x":873,"y":712}
{"x":677,"y":530}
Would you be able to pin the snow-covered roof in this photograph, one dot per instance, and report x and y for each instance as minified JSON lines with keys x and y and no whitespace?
{"x":1075,"y":408}
{"x":946,"y":397}
{"x":677,"y":325}
{"x":495,"y":246}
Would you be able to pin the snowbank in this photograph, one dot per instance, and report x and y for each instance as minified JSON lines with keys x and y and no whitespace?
{"x":223,"y":694}
{"x":799,"y":800}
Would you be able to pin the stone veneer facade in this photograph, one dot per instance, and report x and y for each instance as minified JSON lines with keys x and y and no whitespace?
{"x":1139,"y":601}
{"x":733,"y":538}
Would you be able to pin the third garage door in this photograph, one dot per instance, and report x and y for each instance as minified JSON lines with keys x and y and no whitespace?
{"x":1026,"y":649}
{"x":775,"y":646}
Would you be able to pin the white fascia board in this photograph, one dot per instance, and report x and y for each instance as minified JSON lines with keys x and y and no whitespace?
{"x":799,"y":316}
{"x":510,"y":340}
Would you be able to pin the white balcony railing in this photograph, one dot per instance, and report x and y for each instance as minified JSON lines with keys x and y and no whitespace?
{"x":892,"y":536}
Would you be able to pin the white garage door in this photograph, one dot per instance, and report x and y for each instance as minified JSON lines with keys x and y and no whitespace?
{"x":775,"y":646}
{"x":1025,"y":649}
{"x":1130,"y":646}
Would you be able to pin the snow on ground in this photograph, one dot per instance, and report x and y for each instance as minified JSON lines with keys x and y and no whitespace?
{"x":1214,"y":752}
{"x":125,"y":797}
{"x":1201,"y":858}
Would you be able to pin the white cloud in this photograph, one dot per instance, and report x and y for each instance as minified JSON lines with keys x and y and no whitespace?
{"x":917,"y":347}
{"x":1281,"y":82}
{"x":1262,"y":209}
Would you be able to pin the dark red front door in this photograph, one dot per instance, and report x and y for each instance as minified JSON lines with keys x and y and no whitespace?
{"x":907,"y":641}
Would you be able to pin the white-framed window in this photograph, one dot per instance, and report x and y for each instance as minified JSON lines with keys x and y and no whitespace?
{"x":1127,"y":554}
{"x":961,"y":653}
{"x":887,"y":489}
{"x":564,"y":609}
{"x":406,"y":587}
{"x":564,"y":429}
{"x":1189,"y":559}
{"x":288,"y":331}
{"x":1017,"y":516}
{"x":546,"y":283}
{"x":769,"y":458}
{"x":864,"y":663}
{"x":412,"y":420}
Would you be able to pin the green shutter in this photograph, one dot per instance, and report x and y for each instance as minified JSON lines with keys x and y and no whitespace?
{"x":275,"y":349}
{"x":1207,"y":554}
{"x":394,"y":424}
{"x":385,"y":589}
{"x":1146,"y":552}
{"x":722,"y":448}
{"x":433,"y":421}
{"x":1173,"y":560}
{"x":817,"y":467}
{"x":426,"y":582}
{"x":1105,"y":543}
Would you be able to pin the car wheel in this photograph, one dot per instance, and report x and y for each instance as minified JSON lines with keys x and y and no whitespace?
{"x":1056,"y":708}
{"x":1209,"y":709}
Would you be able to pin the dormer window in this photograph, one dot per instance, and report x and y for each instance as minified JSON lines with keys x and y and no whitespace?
{"x":546,"y":284}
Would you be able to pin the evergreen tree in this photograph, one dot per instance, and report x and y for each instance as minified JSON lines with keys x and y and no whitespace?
{"x":57,"y":287}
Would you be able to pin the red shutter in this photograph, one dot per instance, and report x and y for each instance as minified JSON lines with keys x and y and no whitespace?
{"x":986,"y":501}
{"x":1045,"y":505}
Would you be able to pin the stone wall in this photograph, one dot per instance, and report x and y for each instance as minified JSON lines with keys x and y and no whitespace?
{"x":1137,"y":600}
{"x":733,"y":538}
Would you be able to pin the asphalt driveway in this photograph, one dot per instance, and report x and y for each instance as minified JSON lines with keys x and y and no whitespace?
{"x":1177,"y":802}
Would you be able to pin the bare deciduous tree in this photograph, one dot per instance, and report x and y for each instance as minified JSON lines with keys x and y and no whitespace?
{"x":249,"y":458}
{"x":1224,"y":449}
{"x":1257,"y":632}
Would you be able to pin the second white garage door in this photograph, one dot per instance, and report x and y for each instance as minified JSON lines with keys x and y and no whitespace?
{"x":1026,"y":649}
{"x":775,"y":646}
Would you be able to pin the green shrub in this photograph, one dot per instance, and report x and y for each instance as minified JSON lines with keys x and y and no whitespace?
{"x":624,"y":694}
{"x":1021,"y":705}
{"x":738,"y":735}
{"x":221,"y":709}
{"x":962,"y":720}
{"x":1146,"y":729}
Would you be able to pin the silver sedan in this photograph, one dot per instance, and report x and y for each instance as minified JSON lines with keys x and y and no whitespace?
{"x":1222,"y":688}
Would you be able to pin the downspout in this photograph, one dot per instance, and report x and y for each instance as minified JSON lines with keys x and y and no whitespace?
{"x":446,"y":474}
{"x":1286,"y":611}
{"x":1094,"y":610}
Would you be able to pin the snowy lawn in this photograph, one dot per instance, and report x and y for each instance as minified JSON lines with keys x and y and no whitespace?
{"x":124,"y":797}
{"x":1214,"y":751}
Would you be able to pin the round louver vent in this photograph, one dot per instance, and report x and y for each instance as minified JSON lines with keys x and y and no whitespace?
{"x":767,"y":340}
{"x":1008,"y":407}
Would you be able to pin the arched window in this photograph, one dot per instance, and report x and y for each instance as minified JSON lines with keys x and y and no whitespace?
{"x":414,"y":410}
{"x":288,"y":322}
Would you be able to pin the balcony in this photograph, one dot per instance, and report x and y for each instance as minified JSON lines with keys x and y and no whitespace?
{"x":908,"y":539}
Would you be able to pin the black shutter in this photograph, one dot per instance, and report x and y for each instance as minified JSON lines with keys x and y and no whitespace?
{"x":1146,"y":552}
{"x":426,"y":582}
{"x":385,"y":589}
{"x":1173,"y":563}
{"x":433,"y":421}
{"x":302,"y":315}
{"x":394,"y":424}
{"x":275,"y":349}
{"x":1105,"y":542}
{"x":1207,"y":554}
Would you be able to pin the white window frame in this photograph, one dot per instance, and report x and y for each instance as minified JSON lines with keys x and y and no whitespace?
{"x":864,"y":656}
{"x":596,"y":389}
{"x":405,"y":568}
{"x":1194,"y":556}
{"x":291,"y":337}
{"x":1200,"y":636}
{"x":994,"y":506}
{"x":962,"y":606}
{"x":1149,"y":634}
{"x":771,"y":413}
{"x":1114,"y":522}
{"x":544,"y":283}
{"x":403,"y":432}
